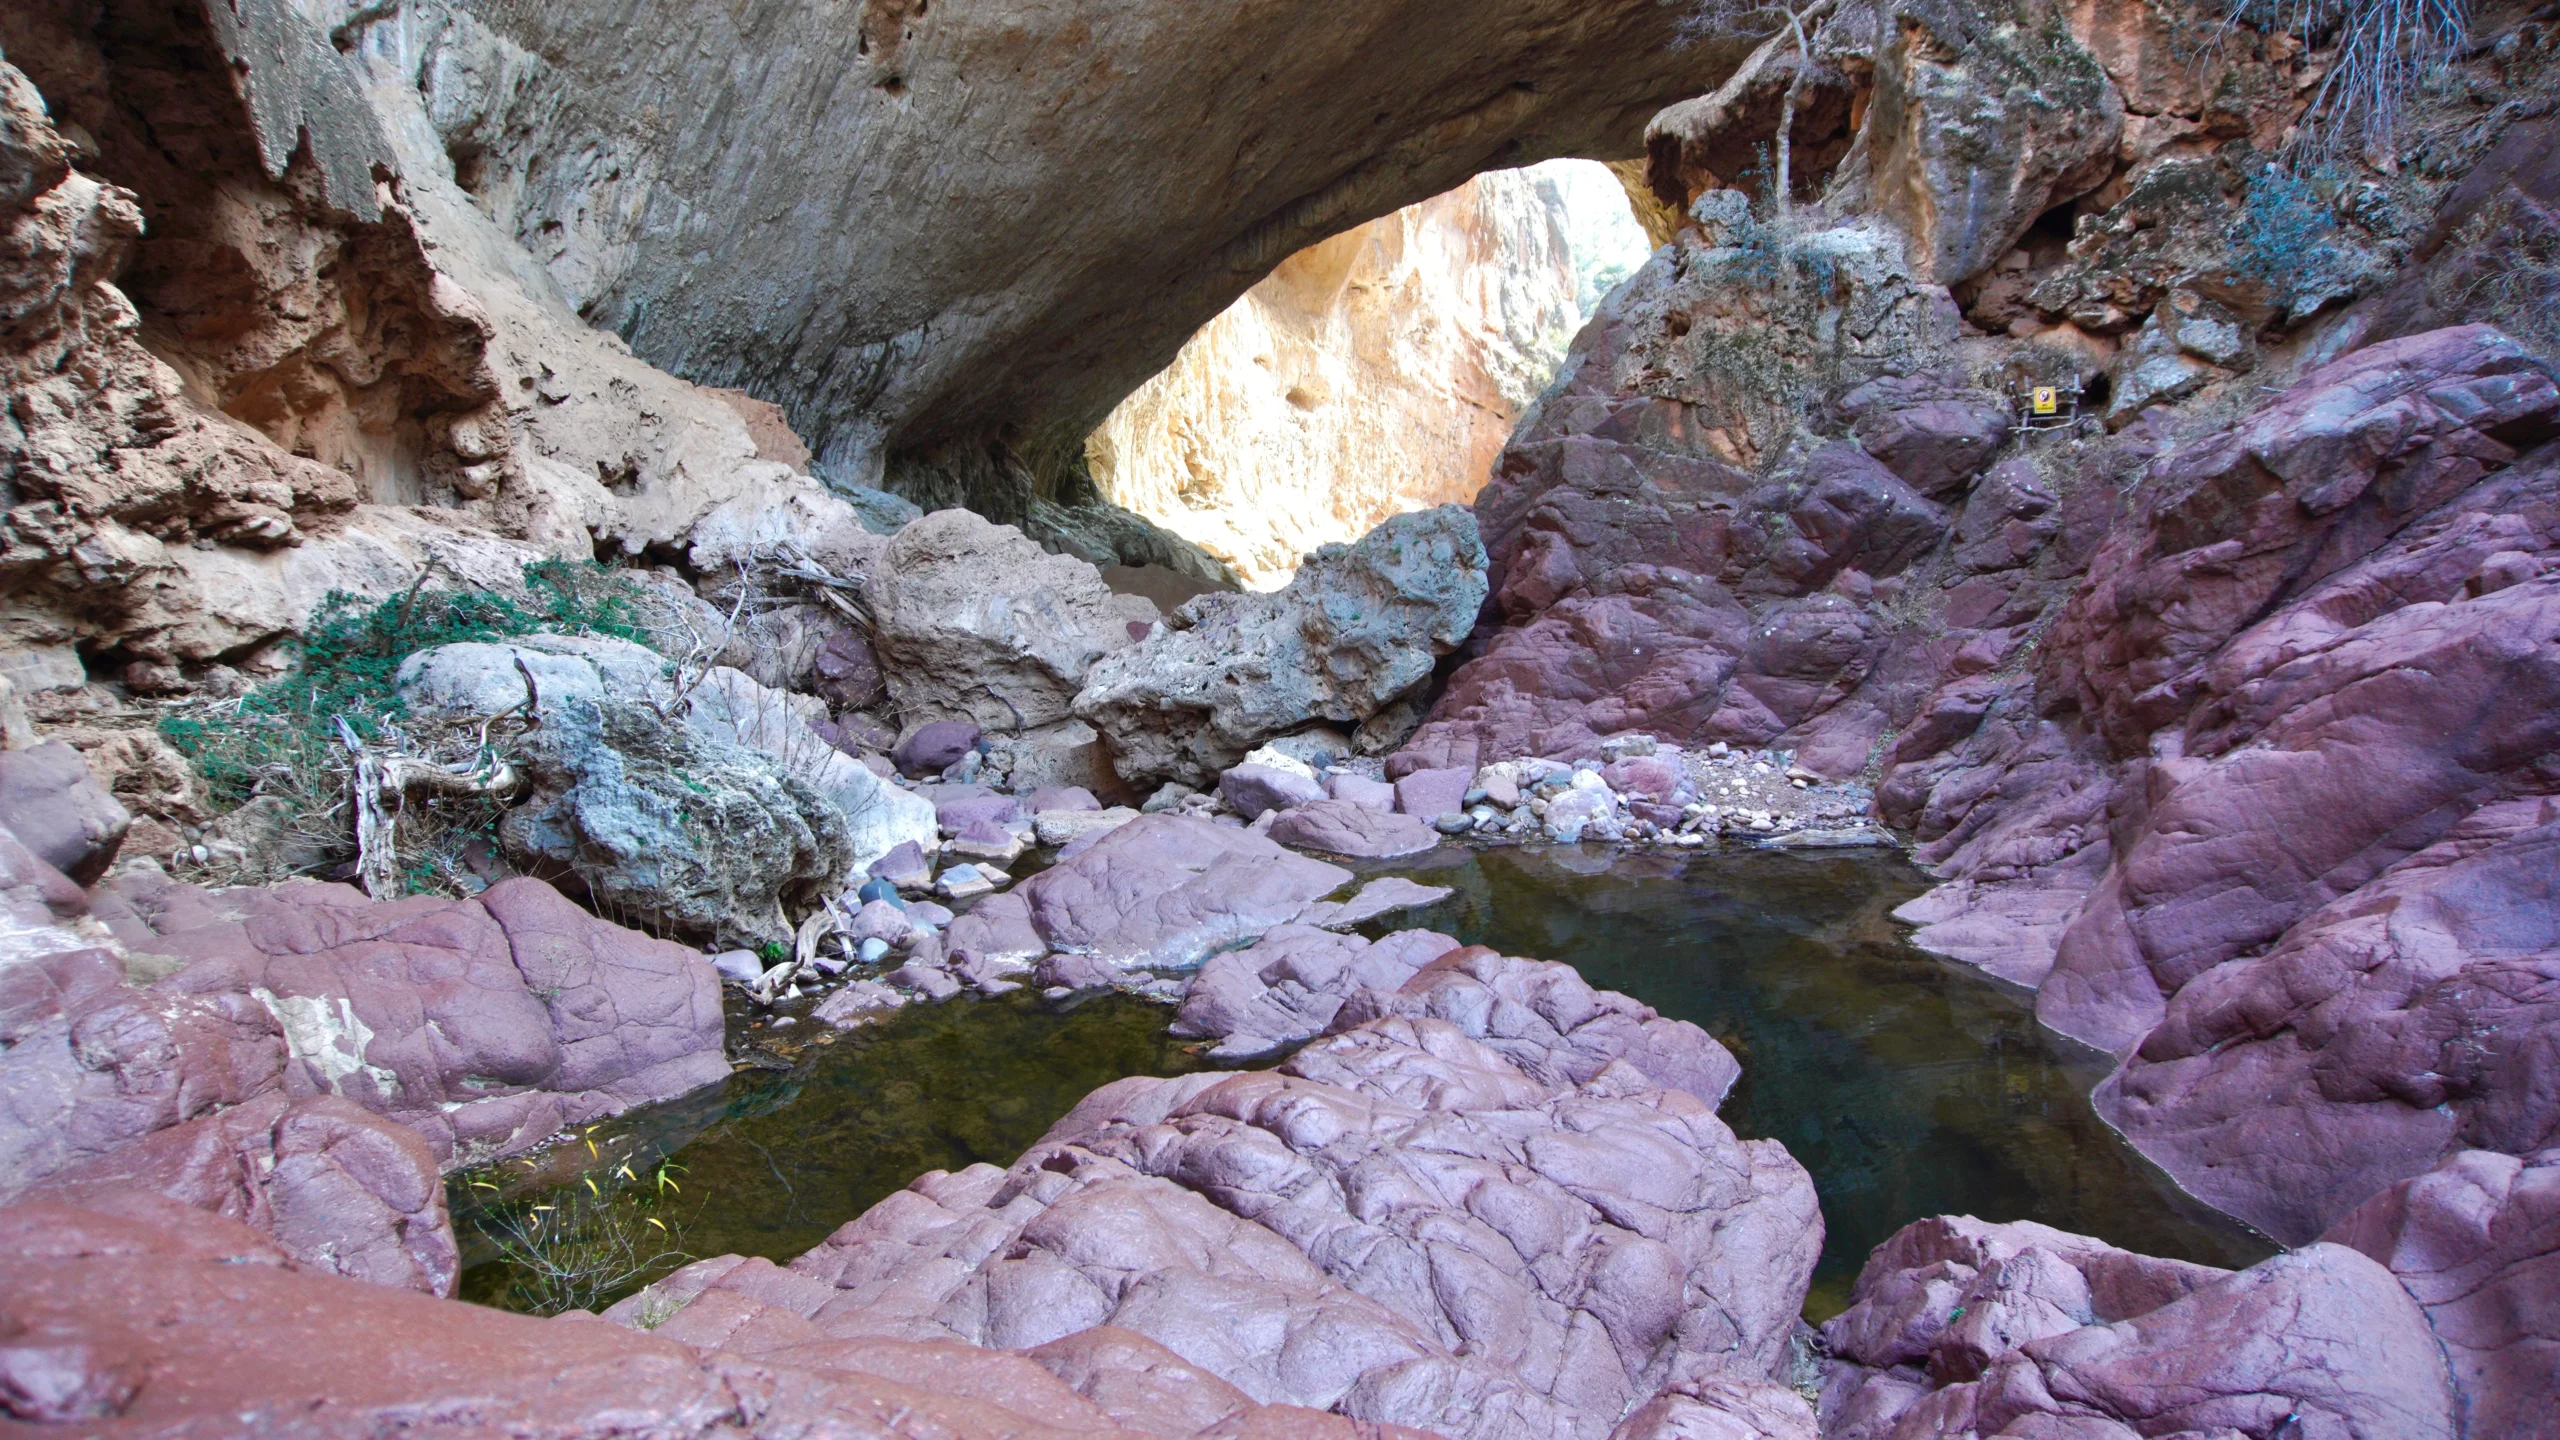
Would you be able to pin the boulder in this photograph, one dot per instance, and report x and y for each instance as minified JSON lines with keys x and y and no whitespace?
{"x":857,"y":1004}
{"x":974,"y":621}
{"x":846,"y":674}
{"x":1360,"y":790}
{"x":1161,"y":892}
{"x":1067,"y":755}
{"x":934,"y":747}
{"x":702,"y":837}
{"x":636,"y":805}
{"x":957,"y":807}
{"x":2476,"y":1241}
{"x":1338,"y":827}
{"x":1065,"y":827}
{"x":985,"y":842}
{"x":1356,"y":629}
{"x":64,"y":817}
{"x":905,"y":868}
{"x":881,"y":920}
{"x":471,"y":681}
{"x":1252,"y":789}
{"x":1430,"y":794}
{"x":1957,"y":1327}
{"x":879,"y":816}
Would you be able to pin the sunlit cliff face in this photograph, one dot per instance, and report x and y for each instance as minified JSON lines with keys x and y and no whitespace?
{"x":1378,"y":372}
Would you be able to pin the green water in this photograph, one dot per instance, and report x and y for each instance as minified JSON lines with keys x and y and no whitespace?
{"x":1908,"y":1086}
{"x":775,"y":1159}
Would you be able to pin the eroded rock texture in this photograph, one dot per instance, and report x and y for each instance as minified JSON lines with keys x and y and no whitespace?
{"x":975,"y":622}
{"x":244,"y":1332}
{"x":2477,"y":1242}
{"x":350,"y":378}
{"x":905,"y":319}
{"x":1963,"y":1328}
{"x":1402,"y":1224}
{"x":485,"y":1025}
{"x":1357,"y":631}
{"x":2227,"y":730}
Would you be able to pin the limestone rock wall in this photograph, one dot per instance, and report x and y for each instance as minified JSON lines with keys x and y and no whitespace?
{"x":861,"y":211}
{"x":1378,"y":372}
{"x":244,"y":377}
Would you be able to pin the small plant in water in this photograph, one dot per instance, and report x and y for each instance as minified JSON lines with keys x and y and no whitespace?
{"x":584,"y":1246}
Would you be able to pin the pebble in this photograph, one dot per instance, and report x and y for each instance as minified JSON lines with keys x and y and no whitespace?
{"x":874,"y":950}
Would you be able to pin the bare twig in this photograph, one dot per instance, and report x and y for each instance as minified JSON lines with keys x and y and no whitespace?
{"x":381,"y":787}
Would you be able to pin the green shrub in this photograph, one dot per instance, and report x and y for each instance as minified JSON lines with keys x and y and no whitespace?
{"x":2288,"y":224}
{"x":282,"y":739}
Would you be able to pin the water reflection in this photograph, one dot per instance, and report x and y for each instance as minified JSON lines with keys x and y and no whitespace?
{"x":1907,"y":1086}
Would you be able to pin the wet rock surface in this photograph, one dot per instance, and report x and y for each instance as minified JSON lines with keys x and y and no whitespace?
{"x":1527,"y":1277}
{"x":2200,"y":757}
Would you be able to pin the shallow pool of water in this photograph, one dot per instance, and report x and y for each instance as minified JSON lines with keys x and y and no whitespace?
{"x":1907,"y":1085}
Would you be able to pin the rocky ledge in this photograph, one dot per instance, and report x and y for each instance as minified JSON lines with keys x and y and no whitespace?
{"x":1486,"y":1200}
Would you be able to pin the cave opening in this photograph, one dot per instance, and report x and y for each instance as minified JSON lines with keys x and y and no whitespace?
{"x":1376,"y":372}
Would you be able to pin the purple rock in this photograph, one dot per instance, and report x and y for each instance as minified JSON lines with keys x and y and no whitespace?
{"x":1360,"y":790}
{"x":1430,"y":794}
{"x":935,"y":747}
{"x":1253,"y":789}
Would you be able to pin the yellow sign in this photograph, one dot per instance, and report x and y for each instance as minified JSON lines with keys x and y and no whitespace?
{"x":2048,"y":401}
